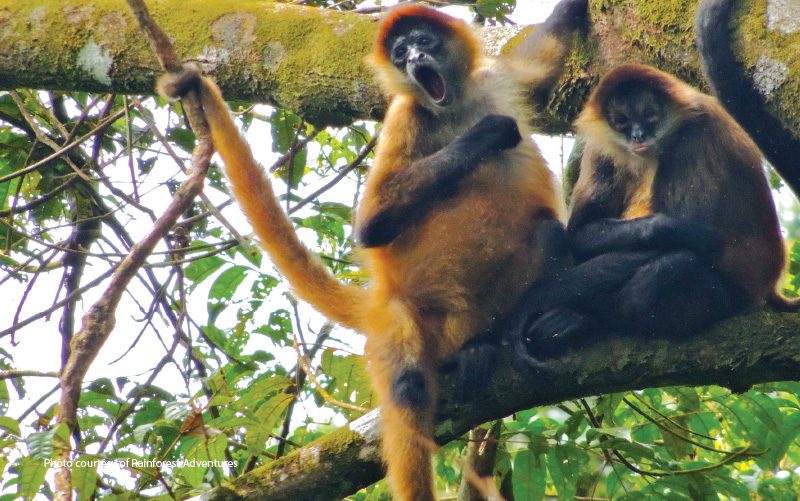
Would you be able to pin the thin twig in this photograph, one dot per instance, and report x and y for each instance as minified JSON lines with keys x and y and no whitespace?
{"x":18,"y":373}
{"x":342,"y":173}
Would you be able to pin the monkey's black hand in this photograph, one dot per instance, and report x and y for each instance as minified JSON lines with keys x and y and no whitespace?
{"x":515,"y":328}
{"x":555,"y":331}
{"x":474,"y":365}
{"x":493,"y":133}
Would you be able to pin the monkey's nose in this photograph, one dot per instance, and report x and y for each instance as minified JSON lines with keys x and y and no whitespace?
{"x":416,"y":56}
{"x":637,"y":134}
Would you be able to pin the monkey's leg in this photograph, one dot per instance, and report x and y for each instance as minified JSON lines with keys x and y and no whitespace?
{"x":675,"y":295}
{"x":552,"y":314}
{"x":403,"y":374}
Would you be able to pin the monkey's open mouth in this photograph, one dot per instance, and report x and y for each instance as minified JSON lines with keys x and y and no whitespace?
{"x":432,"y":82}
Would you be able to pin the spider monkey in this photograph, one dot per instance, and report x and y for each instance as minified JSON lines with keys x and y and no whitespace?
{"x":737,"y":93}
{"x":459,"y":214}
{"x":672,"y":224}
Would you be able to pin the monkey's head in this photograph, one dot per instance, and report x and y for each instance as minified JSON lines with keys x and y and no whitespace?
{"x":637,"y":113}
{"x":635,"y":108}
{"x":424,"y":53}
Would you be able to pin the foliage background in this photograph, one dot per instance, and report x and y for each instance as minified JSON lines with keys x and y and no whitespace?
{"x":213,"y":359}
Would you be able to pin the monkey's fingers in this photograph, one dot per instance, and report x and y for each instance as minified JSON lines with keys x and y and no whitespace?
{"x":516,"y":335}
{"x":474,"y":365}
{"x":557,"y":330}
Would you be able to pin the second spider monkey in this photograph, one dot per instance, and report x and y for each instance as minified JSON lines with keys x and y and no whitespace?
{"x":672,"y":223}
{"x":459,"y":215}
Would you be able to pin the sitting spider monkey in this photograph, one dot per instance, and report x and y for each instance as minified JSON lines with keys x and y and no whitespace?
{"x":672,"y":225}
{"x":459,"y":214}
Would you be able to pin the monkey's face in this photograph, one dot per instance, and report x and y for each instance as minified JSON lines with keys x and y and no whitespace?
{"x":428,"y":58}
{"x":636,"y":114}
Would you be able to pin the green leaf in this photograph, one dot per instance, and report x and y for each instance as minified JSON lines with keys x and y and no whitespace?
{"x":264,"y":420}
{"x":348,"y":380}
{"x":149,"y":412}
{"x":284,"y":130}
{"x":277,"y":327}
{"x":529,"y":477}
{"x":84,"y":477}
{"x":42,"y":445}
{"x":726,"y":485}
{"x":494,"y":8}
{"x":562,"y":463}
{"x":701,"y":488}
{"x":183,"y":137}
{"x":621,"y":432}
{"x":223,"y":289}
{"x":197,"y":451}
{"x":201,"y":269}
{"x":31,"y":476}
{"x":100,"y":401}
{"x":10,"y":424}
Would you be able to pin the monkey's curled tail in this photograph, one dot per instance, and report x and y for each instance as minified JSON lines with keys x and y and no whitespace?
{"x":309,"y":278}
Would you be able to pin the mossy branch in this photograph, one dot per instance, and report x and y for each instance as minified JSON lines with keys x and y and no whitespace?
{"x":761,"y":347}
{"x":310,"y":61}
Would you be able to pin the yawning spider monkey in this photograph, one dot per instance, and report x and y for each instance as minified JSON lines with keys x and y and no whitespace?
{"x":672,"y":224}
{"x":457,"y":215}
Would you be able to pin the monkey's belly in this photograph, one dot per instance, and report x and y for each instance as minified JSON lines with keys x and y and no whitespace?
{"x":470,"y":258}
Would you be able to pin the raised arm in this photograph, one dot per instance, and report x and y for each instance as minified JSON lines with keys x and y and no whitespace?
{"x":406,"y":194}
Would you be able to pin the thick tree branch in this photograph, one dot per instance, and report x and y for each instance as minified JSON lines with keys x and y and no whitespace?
{"x":310,"y":60}
{"x":760,"y":347}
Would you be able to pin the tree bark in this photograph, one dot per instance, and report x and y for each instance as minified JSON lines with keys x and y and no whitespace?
{"x":310,"y":61}
{"x":761,"y":347}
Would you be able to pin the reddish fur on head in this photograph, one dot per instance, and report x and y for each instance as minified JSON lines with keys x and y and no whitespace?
{"x":674,"y":89}
{"x":688,"y":99}
{"x":456,"y":27}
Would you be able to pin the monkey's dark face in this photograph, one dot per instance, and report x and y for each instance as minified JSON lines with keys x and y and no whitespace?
{"x":427,"y":57}
{"x":636,"y":113}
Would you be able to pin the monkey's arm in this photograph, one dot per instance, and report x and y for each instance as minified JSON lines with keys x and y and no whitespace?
{"x":539,"y":59}
{"x":658,"y":231}
{"x":406,"y":195}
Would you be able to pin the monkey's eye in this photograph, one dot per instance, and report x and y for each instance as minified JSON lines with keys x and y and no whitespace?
{"x":651,"y":117}
{"x":400,"y":52}
{"x":619,"y":121}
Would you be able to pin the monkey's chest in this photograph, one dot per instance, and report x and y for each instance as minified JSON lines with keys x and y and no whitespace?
{"x":639,"y":195}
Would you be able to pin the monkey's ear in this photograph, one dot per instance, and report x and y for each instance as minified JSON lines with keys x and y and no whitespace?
{"x":176,"y":85}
